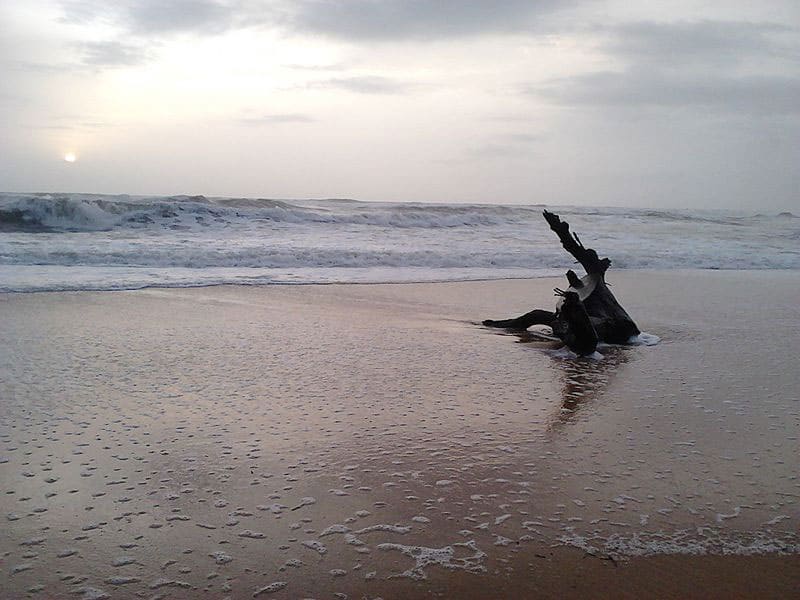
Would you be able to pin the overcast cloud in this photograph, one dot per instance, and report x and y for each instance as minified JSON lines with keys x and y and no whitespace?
{"x":724,"y":67}
{"x":515,"y":101}
{"x":371,"y":21}
{"x":354,"y":20}
{"x":683,"y":44}
{"x":276,"y":119}
{"x":157,"y":17}
{"x":111,"y":54}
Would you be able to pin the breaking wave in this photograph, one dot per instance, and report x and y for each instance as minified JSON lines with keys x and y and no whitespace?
{"x":45,"y":212}
{"x":94,"y":241}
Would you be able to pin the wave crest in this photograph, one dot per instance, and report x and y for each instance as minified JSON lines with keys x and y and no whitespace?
{"x":86,"y":212}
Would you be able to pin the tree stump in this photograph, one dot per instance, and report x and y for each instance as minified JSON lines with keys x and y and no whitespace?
{"x":587,"y":312}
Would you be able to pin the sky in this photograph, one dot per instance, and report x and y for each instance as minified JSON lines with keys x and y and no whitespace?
{"x":587,"y":102}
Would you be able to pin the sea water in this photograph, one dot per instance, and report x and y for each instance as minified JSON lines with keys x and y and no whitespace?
{"x":103,"y":242}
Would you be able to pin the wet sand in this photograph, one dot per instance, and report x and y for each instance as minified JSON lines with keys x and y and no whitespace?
{"x":374,"y":441}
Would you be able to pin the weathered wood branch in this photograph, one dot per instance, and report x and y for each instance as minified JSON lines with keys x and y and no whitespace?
{"x":587,"y":312}
{"x":572,"y":243}
{"x":535,"y":317}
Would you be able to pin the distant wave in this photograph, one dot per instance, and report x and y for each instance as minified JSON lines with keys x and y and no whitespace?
{"x":95,"y":212}
{"x":45,"y":212}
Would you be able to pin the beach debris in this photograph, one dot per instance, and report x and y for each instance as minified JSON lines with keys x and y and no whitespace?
{"x":587,"y":312}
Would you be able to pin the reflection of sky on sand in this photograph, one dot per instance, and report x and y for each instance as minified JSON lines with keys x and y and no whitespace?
{"x":584,"y":380}
{"x":321,"y":447}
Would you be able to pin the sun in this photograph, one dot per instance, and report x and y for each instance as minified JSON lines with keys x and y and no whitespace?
{"x":70,"y":157}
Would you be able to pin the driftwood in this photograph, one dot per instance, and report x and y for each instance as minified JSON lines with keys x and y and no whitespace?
{"x":587,"y":311}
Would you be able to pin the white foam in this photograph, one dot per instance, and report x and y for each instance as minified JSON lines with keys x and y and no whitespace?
{"x":220,"y":557}
{"x":271,"y":588}
{"x":699,"y":541}
{"x":383,"y":527}
{"x":565,"y":353}
{"x":444,"y":557}
{"x":316,"y":546}
{"x":121,"y":580}
{"x":306,"y":501}
{"x":724,"y":517}
{"x":644,"y":339}
{"x":90,"y":593}
{"x":777,"y":520}
{"x":163,"y":582}
{"x":20,"y":568}
{"x":253,"y":535}
{"x":337,"y":528}
{"x":420,"y":519}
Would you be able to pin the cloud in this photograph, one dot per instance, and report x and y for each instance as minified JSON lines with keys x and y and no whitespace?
{"x":418,"y":19}
{"x":11,"y":97}
{"x":707,"y":42}
{"x":355,"y":20}
{"x":276,"y":119}
{"x":73,"y":122}
{"x":749,"y":94}
{"x":111,"y":54}
{"x":39,"y":67}
{"x":365,"y":84}
{"x":157,"y":17}
{"x":505,"y":146}
{"x":76,"y":127}
{"x":522,"y":138}
{"x":731,"y":67}
{"x":330,"y":67}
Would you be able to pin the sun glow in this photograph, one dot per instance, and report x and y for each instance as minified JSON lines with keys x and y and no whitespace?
{"x":70,"y":157}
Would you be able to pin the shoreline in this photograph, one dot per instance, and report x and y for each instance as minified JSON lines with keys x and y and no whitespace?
{"x":220,"y":437}
{"x":557,"y":274}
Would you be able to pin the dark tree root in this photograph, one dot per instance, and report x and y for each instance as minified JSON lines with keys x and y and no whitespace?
{"x":535,"y":317}
{"x":587,"y":312}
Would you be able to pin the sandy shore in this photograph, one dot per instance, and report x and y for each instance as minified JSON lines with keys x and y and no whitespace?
{"x":373,"y":441}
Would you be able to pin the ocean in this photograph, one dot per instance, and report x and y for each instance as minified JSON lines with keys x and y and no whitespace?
{"x":58,"y":241}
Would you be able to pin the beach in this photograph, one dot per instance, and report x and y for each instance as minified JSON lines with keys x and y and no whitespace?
{"x":304,"y":441}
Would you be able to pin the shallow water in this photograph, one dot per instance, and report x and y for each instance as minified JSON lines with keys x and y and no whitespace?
{"x":342,"y":439}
